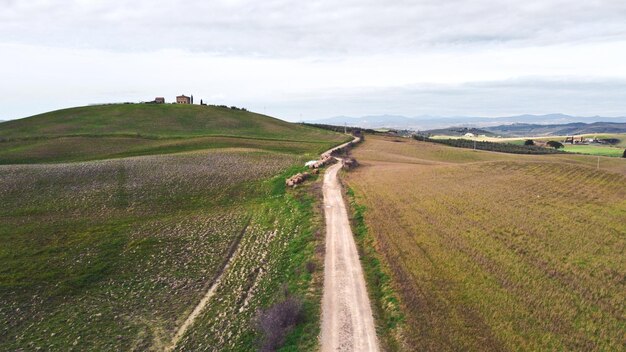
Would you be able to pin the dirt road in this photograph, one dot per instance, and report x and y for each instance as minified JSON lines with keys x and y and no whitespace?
{"x":347,"y":321}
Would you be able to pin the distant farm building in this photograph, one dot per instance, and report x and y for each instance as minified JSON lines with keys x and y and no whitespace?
{"x":469,"y":135}
{"x":159,"y":100}
{"x":183,"y":99}
{"x":574,"y":140}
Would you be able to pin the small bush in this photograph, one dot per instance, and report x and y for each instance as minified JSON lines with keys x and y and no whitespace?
{"x":529,"y":142}
{"x":311,"y":266}
{"x":611,"y":141}
{"x":555,"y":144}
{"x":277,"y":321}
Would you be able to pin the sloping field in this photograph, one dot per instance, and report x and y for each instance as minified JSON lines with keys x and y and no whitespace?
{"x":120,"y":130}
{"x":492,"y":251}
{"x":595,"y":150}
{"x":163,"y":120}
{"x":66,"y":149}
{"x":115,"y":254}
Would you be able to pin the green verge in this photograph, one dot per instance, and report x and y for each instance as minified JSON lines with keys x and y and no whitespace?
{"x":293,"y":213}
{"x":386,"y":304}
{"x":307,"y":280}
{"x":100,"y":303}
{"x":301,"y":281}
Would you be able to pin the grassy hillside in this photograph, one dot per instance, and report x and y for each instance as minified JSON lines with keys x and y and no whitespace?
{"x":106,"y":131}
{"x":115,"y":254}
{"x":159,"y":120}
{"x":491,"y":251}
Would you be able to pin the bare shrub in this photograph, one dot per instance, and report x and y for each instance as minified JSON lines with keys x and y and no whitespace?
{"x":311,"y":266}
{"x":277,"y":321}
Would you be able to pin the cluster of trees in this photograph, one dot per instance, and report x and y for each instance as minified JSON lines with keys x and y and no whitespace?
{"x":341,"y":129}
{"x":228,"y":107}
{"x":492,"y":146}
{"x":611,"y":141}
{"x":553,"y":144}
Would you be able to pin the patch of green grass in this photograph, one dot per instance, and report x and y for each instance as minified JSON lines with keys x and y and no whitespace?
{"x":600,"y":150}
{"x":121,"y":130}
{"x":307,"y":280}
{"x":72,"y":149}
{"x":113,"y":254}
{"x":272,"y":260}
{"x":157,"y":121}
{"x":97,"y":250}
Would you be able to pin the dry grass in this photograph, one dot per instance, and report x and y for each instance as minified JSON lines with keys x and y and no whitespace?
{"x":491,"y":251}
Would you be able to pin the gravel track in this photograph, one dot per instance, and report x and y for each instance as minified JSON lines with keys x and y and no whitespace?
{"x":347,"y":321}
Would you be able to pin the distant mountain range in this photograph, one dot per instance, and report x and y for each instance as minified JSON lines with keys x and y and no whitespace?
{"x":422,"y":123}
{"x":461,"y":131}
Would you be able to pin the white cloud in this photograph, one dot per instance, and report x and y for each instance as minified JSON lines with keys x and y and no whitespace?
{"x":530,"y":95}
{"x":290,"y":28}
{"x":285,"y":55}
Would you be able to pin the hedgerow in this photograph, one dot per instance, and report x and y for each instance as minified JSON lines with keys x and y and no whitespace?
{"x":490,"y":146}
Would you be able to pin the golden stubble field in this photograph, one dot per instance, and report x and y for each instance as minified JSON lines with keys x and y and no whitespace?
{"x":492,"y":251}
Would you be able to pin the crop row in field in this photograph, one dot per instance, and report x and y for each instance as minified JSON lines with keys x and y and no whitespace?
{"x":516,"y":253}
{"x":112,"y":255}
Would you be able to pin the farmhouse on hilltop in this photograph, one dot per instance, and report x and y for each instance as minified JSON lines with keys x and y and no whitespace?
{"x":159,"y":100}
{"x":183,"y":99}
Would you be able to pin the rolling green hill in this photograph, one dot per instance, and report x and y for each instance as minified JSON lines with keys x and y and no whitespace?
{"x":115,"y":254}
{"x":119,"y":130}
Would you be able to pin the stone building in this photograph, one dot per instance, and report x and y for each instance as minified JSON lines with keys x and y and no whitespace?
{"x":183,"y":99}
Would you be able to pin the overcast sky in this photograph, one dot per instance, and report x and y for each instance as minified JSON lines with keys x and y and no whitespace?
{"x":313,"y":59}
